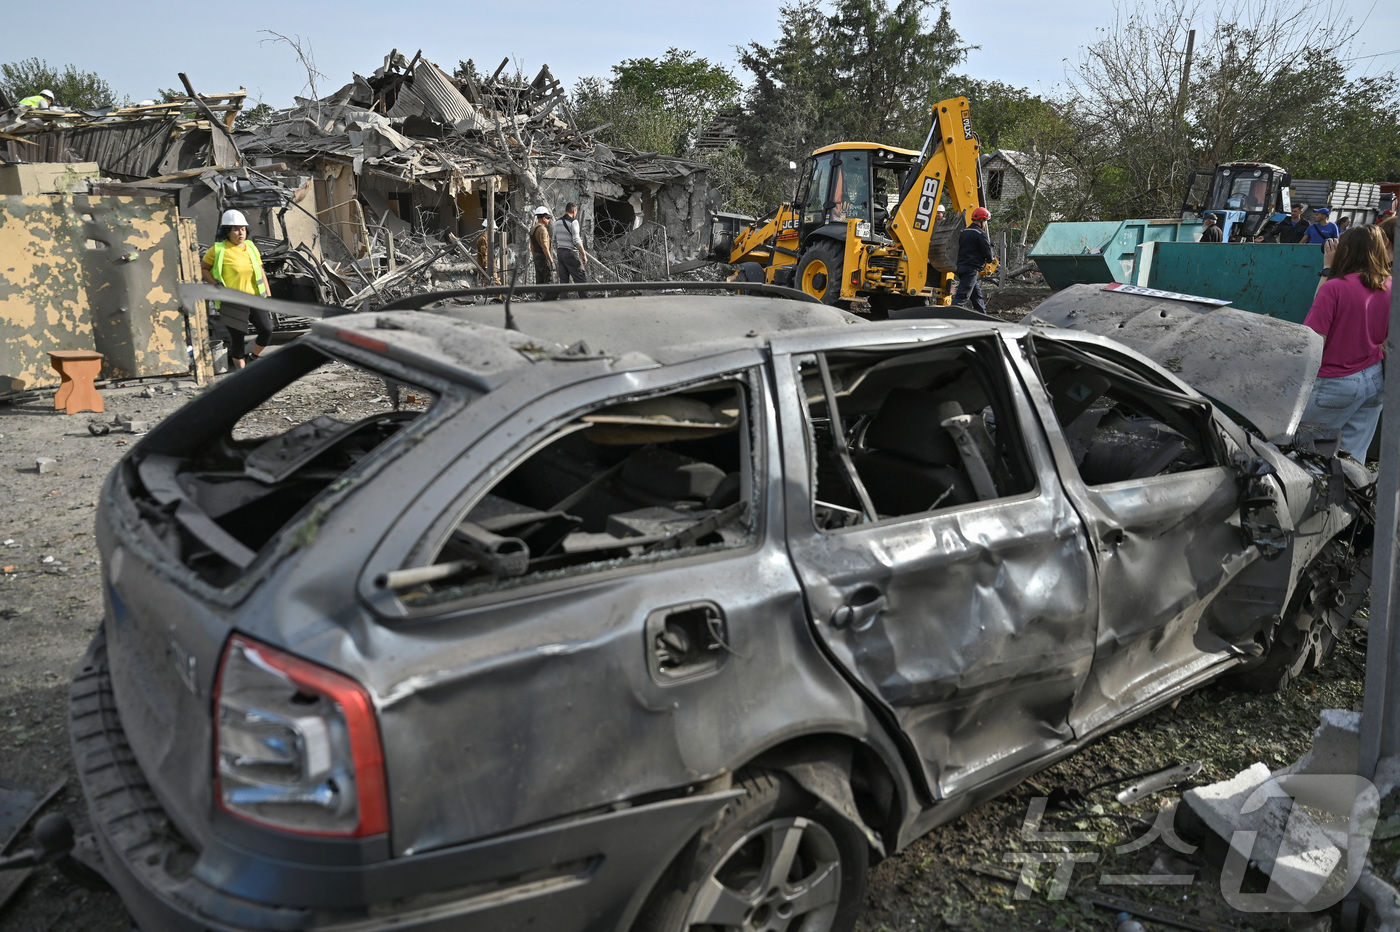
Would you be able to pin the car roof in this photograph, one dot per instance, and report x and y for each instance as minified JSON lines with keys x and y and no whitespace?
{"x":471,"y":344}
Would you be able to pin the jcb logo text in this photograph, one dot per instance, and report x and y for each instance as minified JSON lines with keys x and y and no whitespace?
{"x":928,"y":200}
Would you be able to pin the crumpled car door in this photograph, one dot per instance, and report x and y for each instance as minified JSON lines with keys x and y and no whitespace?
{"x":1153,"y":479}
{"x":969,"y":623}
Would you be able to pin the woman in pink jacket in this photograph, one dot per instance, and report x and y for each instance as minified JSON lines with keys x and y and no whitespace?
{"x":1352,"y":312}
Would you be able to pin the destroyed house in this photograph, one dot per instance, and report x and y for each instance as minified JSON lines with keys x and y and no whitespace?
{"x":412,"y":163}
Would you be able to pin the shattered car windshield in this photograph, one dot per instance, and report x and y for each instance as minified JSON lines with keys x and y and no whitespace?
{"x":253,"y":457}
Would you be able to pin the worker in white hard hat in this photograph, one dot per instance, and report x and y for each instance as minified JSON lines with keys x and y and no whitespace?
{"x":233,"y":262}
{"x":541,"y":250}
{"x":40,"y":101}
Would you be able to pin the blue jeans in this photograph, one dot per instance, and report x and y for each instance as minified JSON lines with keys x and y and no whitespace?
{"x":1351,"y":404}
{"x":969,"y":290}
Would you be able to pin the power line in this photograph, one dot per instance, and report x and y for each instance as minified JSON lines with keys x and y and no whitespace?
{"x":1377,"y":55}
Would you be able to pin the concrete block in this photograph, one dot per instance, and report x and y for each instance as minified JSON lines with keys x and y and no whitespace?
{"x":46,"y":177}
{"x":46,"y":464}
{"x":1336,"y":745}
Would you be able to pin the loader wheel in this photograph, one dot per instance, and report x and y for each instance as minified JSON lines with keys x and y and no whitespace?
{"x":819,"y":271}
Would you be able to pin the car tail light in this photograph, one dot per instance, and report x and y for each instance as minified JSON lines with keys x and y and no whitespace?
{"x":297,"y":745}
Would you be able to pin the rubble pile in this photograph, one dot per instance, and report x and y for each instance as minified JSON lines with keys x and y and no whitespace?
{"x":411,"y":165}
{"x":388,"y":185}
{"x":148,"y":141}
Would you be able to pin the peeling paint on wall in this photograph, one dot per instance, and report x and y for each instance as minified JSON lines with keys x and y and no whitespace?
{"x":86,"y":272}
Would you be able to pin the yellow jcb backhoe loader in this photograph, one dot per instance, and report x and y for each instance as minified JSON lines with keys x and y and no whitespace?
{"x":863,"y":223}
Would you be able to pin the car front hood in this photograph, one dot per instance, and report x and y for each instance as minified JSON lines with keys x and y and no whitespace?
{"x":1258,"y":367}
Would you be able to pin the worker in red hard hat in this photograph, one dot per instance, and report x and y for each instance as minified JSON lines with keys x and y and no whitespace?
{"x":974,"y":252}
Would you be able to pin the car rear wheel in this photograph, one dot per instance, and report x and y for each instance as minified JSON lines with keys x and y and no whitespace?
{"x":772,"y":861}
{"x":819,"y":270}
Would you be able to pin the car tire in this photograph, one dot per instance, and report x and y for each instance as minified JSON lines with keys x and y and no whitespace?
{"x":772,"y":859}
{"x":819,"y":270}
{"x":1303,"y":640}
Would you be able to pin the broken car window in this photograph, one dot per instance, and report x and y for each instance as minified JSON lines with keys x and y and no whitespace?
{"x":217,"y":492}
{"x":914,"y":431}
{"x":638,"y":479}
{"x":1118,"y":424}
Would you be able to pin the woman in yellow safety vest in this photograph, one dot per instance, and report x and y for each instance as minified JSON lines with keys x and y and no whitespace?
{"x":233,"y":262}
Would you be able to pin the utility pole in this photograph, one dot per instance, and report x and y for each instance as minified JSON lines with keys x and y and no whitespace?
{"x":1185,"y":77}
{"x":1380,"y":710}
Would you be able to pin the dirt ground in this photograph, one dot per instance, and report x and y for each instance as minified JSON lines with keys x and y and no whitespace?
{"x":954,"y":878}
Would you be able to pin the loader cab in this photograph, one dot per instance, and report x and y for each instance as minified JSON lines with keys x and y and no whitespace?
{"x":1258,"y":189}
{"x":851,"y":181}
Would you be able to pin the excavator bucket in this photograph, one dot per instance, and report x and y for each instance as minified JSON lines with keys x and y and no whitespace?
{"x":943,"y":243}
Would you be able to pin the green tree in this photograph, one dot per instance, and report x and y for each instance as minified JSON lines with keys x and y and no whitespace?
{"x":866,"y":70}
{"x":788,"y":110}
{"x":888,"y":64}
{"x":260,"y":115}
{"x":72,"y":88}
{"x":622,"y":118}
{"x":1352,"y":134}
{"x":655,"y":104}
{"x":681,"y":83}
{"x":1267,"y":82}
{"x":998,"y":109}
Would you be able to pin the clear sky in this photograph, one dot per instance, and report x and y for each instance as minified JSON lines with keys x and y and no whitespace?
{"x":139,"y":47}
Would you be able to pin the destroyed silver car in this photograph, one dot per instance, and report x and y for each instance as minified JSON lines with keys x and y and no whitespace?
{"x":661,"y":612}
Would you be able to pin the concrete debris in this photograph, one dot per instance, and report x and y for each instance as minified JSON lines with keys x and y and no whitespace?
{"x":406,"y":181}
{"x":1296,"y":824}
{"x":412,"y":163}
{"x":45,"y":464}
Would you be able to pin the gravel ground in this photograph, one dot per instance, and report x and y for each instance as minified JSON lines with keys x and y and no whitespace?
{"x":50,"y":605}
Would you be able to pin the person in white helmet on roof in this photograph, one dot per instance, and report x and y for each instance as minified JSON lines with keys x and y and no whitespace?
{"x":40,"y":101}
{"x":233,"y":262}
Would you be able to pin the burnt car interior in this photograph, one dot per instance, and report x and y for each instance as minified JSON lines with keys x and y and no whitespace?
{"x":635,"y":479}
{"x":1119,"y":425}
{"x":216,"y":488}
{"x":910,"y":431}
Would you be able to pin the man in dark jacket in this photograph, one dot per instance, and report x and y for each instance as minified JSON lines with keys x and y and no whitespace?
{"x":1210,"y":230}
{"x":974,"y":252}
{"x":1294,"y":228}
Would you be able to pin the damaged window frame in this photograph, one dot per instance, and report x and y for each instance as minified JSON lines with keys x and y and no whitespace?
{"x":393,"y":597}
{"x":212,"y":419}
{"x":1219,"y":443}
{"x":1012,"y":461}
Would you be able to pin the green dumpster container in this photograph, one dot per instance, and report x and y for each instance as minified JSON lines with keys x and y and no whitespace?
{"x":1102,"y":251}
{"x":1274,"y":279}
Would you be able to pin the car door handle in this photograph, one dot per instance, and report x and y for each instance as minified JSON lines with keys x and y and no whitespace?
{"x":859,"y":613}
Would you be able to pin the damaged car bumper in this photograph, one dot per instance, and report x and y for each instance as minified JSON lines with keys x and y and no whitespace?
{"x":582,"y":873}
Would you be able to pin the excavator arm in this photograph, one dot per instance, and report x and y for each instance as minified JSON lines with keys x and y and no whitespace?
{"x":948,"y":165}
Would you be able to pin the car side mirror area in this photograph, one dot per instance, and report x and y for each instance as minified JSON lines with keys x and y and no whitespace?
{"x":1264,"y":521}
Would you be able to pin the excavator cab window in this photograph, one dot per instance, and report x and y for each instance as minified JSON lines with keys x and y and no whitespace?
{"x":814,"y":201}
{"x":850,"y":186}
